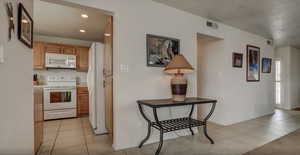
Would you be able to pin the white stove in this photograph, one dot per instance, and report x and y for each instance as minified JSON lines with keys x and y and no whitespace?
{"x":60,"y":97}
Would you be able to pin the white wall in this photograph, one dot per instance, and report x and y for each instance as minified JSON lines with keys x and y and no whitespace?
{"x":238,"y":99}
{"x":60,"y":40}
{"x":133,"y":19}
{"x":290,"y":75}
{"x":16,"y":91}
{"x":246,"y":100}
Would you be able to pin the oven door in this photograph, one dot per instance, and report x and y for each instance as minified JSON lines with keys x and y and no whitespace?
{"x":59,"y":98}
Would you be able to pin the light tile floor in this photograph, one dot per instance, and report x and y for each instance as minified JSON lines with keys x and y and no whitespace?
{"x":75,"y":137}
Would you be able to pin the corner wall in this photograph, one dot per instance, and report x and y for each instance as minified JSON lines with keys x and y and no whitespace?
{"x":238,"y":100}
{"x":247,"y":100}
{"x":16,"y":90}
{"x":133,"y":19}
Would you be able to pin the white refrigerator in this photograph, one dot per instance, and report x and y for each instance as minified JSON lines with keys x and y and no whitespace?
{"x":96,"y":91}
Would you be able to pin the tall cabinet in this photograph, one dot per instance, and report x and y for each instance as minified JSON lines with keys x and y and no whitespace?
{"x":38,"y":118}
{"x":38,"y":55}
{"x":82,"y":61}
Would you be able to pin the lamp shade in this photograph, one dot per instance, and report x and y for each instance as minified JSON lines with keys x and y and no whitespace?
{"x":179,"y":65}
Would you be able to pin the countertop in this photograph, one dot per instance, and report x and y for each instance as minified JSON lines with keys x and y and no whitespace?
{"x":38,"y":86}
{"x":83,"y":84}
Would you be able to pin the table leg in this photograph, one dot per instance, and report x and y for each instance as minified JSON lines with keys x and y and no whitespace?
{"x":205,"y":123}
{"x":149,"y":126}
{"x":161,"y":139}
{"x":147,"y":137}
{"x":190,"y":117}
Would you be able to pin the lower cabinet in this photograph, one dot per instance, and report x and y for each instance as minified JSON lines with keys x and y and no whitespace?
{"x":82,"y":101}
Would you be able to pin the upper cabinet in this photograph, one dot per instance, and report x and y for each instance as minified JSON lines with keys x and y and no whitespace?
{"x":52,"y":48}
{"x":68,"y":50}
{"x":82,"y":59}
{"x":38,"y":55}
{"x":40,"y":49}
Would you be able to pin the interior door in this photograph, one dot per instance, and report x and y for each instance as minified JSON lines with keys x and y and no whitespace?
{"x":108,"y":75}
{"x":278,"y":85}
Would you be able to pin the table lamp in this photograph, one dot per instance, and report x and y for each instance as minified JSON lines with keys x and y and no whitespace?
{"x":179,"y":66}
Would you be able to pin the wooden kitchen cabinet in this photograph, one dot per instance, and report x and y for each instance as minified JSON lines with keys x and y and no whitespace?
{"x":52,"y":48}
{"x":41,"y":48}
{"x":38,"y":118}
{"x":82,"y":101}
{"x":38,"y":55}
{"x":68,"y":50}
{"x":82,"y":59}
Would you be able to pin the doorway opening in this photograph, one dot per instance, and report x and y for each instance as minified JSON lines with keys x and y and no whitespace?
{"x":73,"y":79}
{"x":209,"y":49}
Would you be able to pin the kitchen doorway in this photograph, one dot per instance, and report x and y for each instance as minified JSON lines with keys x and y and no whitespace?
{"x":73,"y":87}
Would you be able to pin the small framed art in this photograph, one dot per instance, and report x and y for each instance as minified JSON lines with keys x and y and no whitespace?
{"x":237,"y":60}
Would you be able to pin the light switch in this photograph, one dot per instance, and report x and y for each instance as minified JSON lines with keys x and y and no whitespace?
{"x":1,"y":54}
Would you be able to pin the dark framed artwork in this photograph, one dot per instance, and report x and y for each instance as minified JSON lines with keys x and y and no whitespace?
{"x":161,"y":50}
{"x":253,"y":63}
{"x":25,"y":26}
{"x":266,"y":65}
{"x":237,"y":60}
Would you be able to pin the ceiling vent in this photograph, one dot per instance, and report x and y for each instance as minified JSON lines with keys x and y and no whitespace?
{"x":212,"y":24}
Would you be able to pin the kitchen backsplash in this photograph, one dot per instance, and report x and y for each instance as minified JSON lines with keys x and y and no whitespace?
{"x":43,"y":74}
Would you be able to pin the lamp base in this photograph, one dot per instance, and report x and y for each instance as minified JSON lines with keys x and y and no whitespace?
{"x":179,"y":87}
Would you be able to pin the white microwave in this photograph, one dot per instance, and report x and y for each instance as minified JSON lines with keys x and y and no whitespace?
{"x":63,"y":61}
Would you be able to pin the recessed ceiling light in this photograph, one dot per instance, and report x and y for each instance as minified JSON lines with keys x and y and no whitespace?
{"x":82,"y":31}
{"x":107,"y":34}
{"x":84,"y":16}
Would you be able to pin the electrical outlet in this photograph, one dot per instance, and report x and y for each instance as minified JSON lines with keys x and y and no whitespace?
{"x":1,"y":54}
{"x":124,"y":68}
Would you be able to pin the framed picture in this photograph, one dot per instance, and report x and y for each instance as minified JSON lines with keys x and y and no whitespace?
{"x":161,"y":50}
{"x":25,"y":26}
{"x":266,"y":65}
{"x":237,"y":60}
{"x":253,"y":63}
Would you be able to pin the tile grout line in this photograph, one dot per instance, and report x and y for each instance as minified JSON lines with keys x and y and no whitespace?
{"x":58,"y":130}
{"x":84,"y":136}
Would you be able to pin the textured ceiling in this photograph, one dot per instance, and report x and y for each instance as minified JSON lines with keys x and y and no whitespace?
{"x":64,"y":21}
{"x":272,"y":19}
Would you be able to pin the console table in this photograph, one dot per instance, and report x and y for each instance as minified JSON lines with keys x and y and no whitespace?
{"x":165,"y":126}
